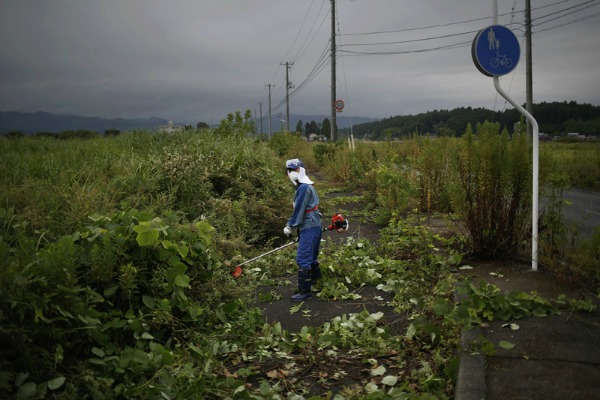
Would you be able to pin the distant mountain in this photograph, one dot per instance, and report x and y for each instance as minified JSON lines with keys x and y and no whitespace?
{"x":40,"y":121}
{"x":30,"y":123}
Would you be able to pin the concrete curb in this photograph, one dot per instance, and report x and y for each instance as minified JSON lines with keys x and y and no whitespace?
{"x":470,"y":383}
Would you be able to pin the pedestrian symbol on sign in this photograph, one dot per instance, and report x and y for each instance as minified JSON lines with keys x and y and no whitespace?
{"x":495,"y":50}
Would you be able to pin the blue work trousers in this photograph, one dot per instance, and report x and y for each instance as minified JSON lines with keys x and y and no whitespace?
{"x":308,"y":247}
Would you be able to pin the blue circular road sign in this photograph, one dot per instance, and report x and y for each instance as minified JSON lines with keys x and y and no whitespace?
{"x":495,"y":50}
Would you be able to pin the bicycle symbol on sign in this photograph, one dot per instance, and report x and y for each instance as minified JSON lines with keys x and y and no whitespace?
{"x":501,"y":60}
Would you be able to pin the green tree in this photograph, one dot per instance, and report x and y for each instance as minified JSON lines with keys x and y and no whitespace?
{"x":14,"y":134}
{"x":112,"y":132}
{"x":312,"y":128}
{"x":325,"y":127}
{"x":299,"y":127}
{"x":202,"y":125}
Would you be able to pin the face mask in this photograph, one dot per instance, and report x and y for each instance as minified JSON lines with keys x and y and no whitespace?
{"x":294,"y":176}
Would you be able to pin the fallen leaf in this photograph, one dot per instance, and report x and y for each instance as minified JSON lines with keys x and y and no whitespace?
{"x":295,"y":309}
{"x":378,"y":371}
{"x":506,"y":345}
{"x":229,"y":374}
{"x":389,"y":380}
{"x":277,"y":374}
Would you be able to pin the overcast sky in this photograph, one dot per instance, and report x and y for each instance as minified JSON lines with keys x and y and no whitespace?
{"x":197,"y":60}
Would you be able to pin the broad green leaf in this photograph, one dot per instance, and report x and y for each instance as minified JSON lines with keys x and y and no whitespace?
{"x":182,"y":280}
{"x":296,"y":308}
{"x":184,"y":250}
{"x":411,"y":332}
{"x":21,"y":377}
{"x":196,"y":349}
{"x":98,"y":352}
{"x":389,"y":380}
{"x":506,"y":345}
{"x":167,"y":244}
{"x":239,"y":389}
{"x":147,"y":238}
{"x":56,"y":383}
{"x":165,"y":396}
{"x":441,"y":306}
{"x":146,"y":335}
{"x":149,"y":301}
{"x":376,"y":316}
{"x":140,"y":357}
{"x":371,"y":387}
{"x":265,"y":387}
{"x":380,"y":370}
{"x":27,"y":390}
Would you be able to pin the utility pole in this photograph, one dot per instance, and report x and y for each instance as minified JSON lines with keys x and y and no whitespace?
{"x":288,"y":86}
{"x":261,"y":118}
{"x":269,"y":85}
{"x":333,"y":95}
{"x":528,"y":69}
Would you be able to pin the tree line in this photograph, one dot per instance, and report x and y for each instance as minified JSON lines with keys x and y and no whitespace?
{"x":553,"y":119}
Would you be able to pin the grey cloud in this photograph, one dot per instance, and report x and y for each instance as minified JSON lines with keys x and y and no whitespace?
{"x":193,"y":60}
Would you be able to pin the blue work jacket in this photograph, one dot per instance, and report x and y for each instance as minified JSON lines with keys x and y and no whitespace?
{"x":306,"y":203}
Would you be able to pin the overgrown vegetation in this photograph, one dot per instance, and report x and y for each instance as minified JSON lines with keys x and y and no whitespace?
{"x":117,"y":254}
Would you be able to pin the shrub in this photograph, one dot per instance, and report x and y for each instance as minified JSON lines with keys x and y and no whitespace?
{"x":494,"y":186}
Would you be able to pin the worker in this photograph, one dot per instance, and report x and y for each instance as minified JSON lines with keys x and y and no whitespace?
{"x":306,"y":218}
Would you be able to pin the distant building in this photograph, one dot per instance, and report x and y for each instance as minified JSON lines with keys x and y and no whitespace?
{"x":313,"y":137}
{"x":170,"y":128}
{"x":544,"y":137}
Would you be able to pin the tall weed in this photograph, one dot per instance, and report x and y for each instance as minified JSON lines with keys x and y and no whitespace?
{"x":495,"y":185}
{"x":436,"y":176}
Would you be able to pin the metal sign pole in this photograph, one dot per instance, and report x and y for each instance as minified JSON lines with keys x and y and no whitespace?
{"x":536,"y":173}
{"x":496,"y":52}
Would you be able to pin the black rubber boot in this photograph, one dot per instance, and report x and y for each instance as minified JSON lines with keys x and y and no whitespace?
{"x":304,"y":286}
{"x":315,"y":272}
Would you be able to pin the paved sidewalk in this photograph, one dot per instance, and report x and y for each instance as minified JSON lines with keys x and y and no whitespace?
{"x":555,"y":357}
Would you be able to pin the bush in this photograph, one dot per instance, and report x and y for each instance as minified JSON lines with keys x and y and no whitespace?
{"x":495,"y":185}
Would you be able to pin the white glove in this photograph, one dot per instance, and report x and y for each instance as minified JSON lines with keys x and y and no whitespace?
{"x":287,"y":230}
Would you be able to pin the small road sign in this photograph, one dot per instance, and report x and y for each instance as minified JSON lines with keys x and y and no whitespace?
{"x":339,"y":105}
{"x":495,"y":50}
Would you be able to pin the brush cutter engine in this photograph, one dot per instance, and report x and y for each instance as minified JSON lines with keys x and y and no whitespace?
{"x":338,"y":223}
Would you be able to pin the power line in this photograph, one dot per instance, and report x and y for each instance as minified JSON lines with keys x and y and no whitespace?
{"x":305,"y":45}
{"x":413,"y":40}
{"x":299,"y":30}
{"x":566,"y":9}
{"x":383,"y":53}
{"x":568,"y":23}
{"x":310,"y":36}
{"x":322,"y":61}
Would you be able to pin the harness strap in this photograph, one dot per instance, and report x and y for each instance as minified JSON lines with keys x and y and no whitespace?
{"x":311,"y":209}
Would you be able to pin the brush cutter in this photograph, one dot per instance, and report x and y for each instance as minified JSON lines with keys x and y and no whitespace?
{"x":338,"y":223}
